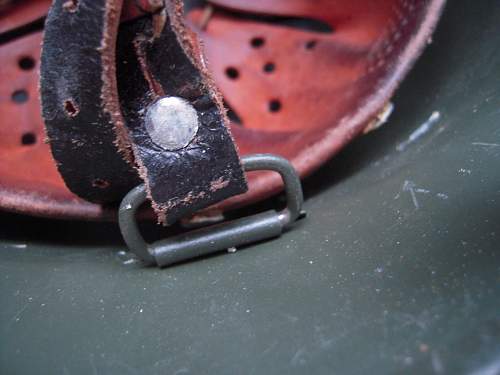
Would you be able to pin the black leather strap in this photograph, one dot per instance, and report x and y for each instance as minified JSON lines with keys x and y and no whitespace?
{"x":93,"y":136}
{"x":72,"y":87}
{"x":208,"y":169}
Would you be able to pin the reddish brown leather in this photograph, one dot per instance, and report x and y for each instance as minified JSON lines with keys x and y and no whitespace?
{"x":29,"y":181}
{"x":329,"y":93}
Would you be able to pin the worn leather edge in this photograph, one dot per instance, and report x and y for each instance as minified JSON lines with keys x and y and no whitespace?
{"x":206,"y":171}
{"x":79,"y":126}
{"x":109,"y":93}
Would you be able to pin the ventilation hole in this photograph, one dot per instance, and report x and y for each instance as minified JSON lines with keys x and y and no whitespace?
{"x":20,"y":96}
{"x":232,"y":115}
{"x":26,"y":63}
{"x":100,"y":183}
{"x":232,"y":73}
{"x":257,"y":42}
{"x":269,"y":67}
{"x":70,"y":6}
{"x":70,"y":108}
{"x":28,"y":139}
{"x":274,"y":105}
{"x":311,"y":44}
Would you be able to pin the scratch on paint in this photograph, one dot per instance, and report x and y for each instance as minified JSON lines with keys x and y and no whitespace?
{"x":410,"y":187}
{"x":485,"y":144}
{"x":299,"y":357}
{"x":420,"y":131}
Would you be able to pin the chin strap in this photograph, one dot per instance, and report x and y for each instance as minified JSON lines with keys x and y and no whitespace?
{"x":129,"y":101}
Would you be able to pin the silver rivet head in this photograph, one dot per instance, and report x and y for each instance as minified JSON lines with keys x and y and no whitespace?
{"x":172,"y":123}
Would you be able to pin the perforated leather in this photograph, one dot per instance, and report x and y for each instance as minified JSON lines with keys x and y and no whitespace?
{"x":298,"y":93}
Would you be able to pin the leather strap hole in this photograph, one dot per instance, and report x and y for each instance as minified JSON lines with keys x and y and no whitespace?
{"x":20,"y":96}
{"x":70,"y":107}
{"x":232,"y":73}
{"x":269,"y":67}
{"x":100,"y":183}
{"x":232,"y":115}
{"x":26,"y":63}
{"x":311,"y":44}
{"x":28,"y":139}
{"x":274,"y":105}
{"x":70,"y":6}
{"x":257,"y":42}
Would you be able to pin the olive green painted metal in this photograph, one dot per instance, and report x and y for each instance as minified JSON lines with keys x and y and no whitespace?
{"x":226,"y":235}
{"x":396,"y":270}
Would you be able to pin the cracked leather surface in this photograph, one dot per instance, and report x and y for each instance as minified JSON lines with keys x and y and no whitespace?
{"x":96,"y":138}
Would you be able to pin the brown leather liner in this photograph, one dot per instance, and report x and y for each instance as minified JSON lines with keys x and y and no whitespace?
{"x":306,"y":141}
{"x":329,"y":93}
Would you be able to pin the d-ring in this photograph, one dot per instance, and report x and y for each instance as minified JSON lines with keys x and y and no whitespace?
{"x":217,"y":237}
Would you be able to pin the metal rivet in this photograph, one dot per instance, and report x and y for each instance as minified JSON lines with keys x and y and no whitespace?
{"x":172,"y":123}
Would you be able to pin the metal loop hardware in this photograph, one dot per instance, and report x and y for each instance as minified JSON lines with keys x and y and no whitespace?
{"x":217,"y":237}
